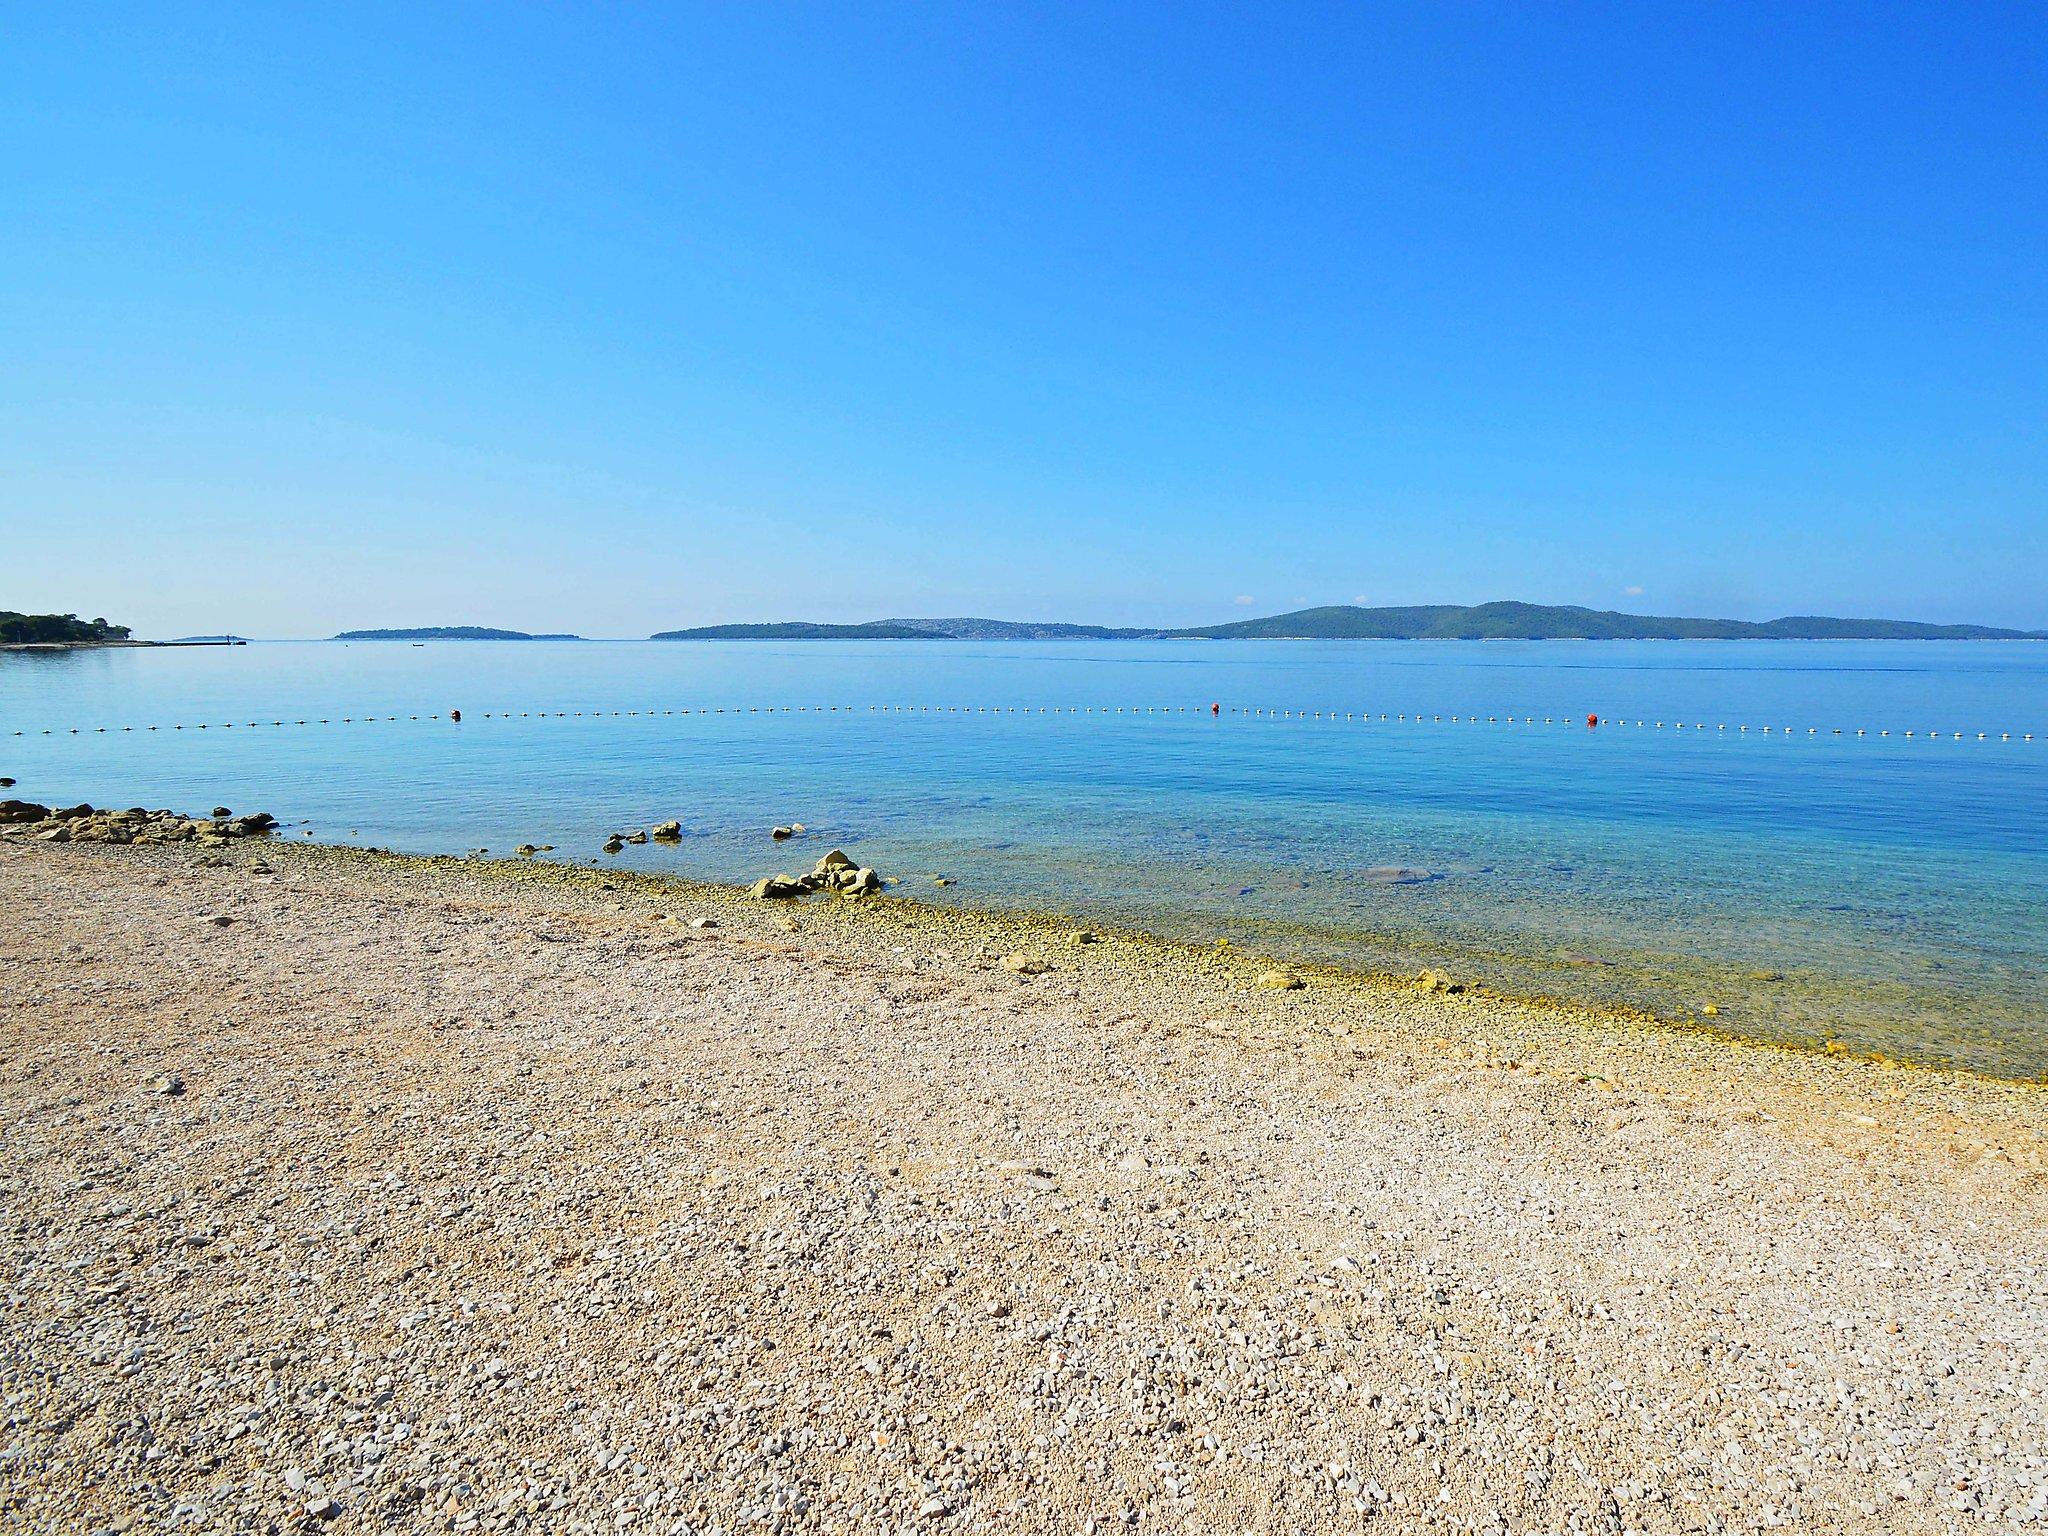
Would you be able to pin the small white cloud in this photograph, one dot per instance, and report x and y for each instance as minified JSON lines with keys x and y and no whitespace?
{"x":1244,"y":602}
{"x":1633,"y":591}
{"x":1363,"y":597}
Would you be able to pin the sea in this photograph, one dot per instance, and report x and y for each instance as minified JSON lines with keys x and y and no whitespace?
{"x":1790,"y":840}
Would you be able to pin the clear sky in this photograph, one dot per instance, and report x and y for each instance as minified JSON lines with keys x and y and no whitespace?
{"x":622,"y":318}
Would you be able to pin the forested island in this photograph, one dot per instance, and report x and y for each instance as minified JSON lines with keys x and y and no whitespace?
{"x":447,"y":632}
{"x":59,"y":629}
{"x":1486,"y":621}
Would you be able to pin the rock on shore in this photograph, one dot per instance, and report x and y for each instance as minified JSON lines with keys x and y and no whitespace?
{"x":84,"y":824}
{"x":835,"y":872}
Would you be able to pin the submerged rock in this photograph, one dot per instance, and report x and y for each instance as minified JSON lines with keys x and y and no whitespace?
{"x":1397,"y":874}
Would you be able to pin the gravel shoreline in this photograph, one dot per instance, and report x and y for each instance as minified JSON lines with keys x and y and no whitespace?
{"x":362,"y":1192}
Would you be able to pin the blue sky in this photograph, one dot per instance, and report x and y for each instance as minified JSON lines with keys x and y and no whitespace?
{"x":614,"y":319}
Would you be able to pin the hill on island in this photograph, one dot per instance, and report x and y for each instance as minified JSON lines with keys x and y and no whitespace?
{"x":1486,"y":621}
{"x":1535,"y":621}
{"x":447,"y":632}
{"x":908,"y":629}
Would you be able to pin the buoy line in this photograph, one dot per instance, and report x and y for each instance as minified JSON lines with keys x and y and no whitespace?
{"x":1594,"y":724}
{"x":1591,"y":724}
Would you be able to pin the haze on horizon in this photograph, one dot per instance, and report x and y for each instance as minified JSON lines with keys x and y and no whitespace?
{"x":1148,"y":316}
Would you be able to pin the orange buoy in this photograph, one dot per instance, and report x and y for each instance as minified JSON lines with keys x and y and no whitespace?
{"x":1592,"y":720}
{"x":1215,"y":709}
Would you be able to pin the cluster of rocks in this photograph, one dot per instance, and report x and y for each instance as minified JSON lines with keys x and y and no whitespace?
{"x":835,"y":873}
{"x":660,"y":832}
{"x":85,"y":824}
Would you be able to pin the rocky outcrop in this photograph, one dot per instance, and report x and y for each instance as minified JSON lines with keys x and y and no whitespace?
{"x":87,"y":824}
{"x":835,"y":873}
{"x":660,"y":832}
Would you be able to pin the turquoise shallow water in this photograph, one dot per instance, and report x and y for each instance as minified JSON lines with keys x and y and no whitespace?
{"x":1898,"y":887}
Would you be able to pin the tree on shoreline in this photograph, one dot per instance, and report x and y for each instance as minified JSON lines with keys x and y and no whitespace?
{"x":56,"y":628}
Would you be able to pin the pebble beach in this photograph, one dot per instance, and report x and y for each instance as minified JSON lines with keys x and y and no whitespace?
{"x":358,"y":1192}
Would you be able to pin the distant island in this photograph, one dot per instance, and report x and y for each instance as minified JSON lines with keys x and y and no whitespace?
{"x":910,"y":629}
{"x":59,"y":629}
{"x":1486,"y":621}
{"x":447,"y":632}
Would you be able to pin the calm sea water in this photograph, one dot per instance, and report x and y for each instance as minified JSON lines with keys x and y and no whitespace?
{"x":1895,"y":889}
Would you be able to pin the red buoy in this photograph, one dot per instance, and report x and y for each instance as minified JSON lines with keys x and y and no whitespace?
{"x":1215,"y":709}
{"x":1592,"y":720}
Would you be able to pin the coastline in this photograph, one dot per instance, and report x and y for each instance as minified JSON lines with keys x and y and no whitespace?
{"x":498,"y":1195}
{"x":110,"y":645}
{"x":1185,"y":974}
{"x":1540,"y":992}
